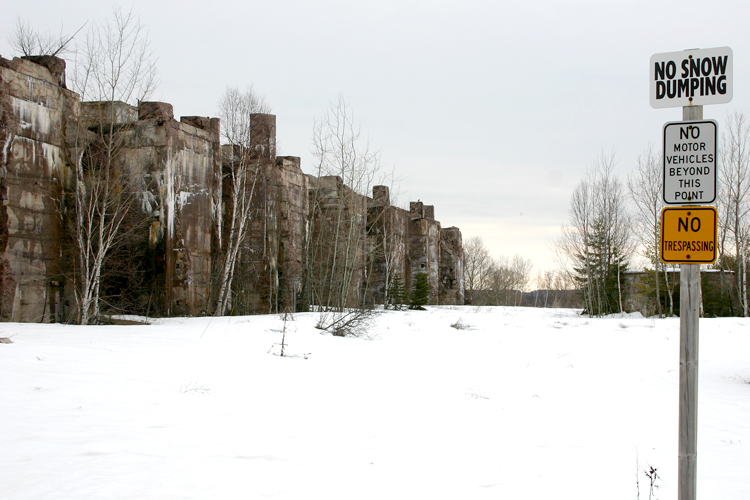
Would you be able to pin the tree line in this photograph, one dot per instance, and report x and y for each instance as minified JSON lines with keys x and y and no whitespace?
{"x":102,"y":217}
{"x":506,"y":281}
{"x":614,"y":225}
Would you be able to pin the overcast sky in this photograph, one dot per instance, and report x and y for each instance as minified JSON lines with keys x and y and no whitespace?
{"x":490,"y":110}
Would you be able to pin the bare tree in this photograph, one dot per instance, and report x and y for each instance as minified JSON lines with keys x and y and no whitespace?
{"x":574,"y":244}
{"x":734,"y":200}
{"x":29,"y":42}
{"x":114,"y":66}
{"x":347,"y":168}
{"x":477,"y":264}
{"x":116,"y":62}
{"x":500,"y":281}
{"x":596,"y":246}
{"x":386,"y":247}
{"x":521,"y":269}
{"x":544,"y":283}
{"x":555,"y":287}
{"x":236,"y":109}
{"x":506,"y":280}
{"x":645,"y":187}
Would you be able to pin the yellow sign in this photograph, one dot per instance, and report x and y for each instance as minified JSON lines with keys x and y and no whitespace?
{"x":688,"y":235}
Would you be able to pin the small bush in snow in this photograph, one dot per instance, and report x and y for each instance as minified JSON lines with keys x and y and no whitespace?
{"x":347,"y":323}
{"x":194,"y":388}
{"x":460,"y":325}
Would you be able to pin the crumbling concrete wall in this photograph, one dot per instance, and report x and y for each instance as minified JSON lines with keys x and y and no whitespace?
{"x":424,"y":247}
{"x":179,"y":217}
{"x":271,"y":272}
{"x":33,"y":167}
{"x":451,"y":289}
{"x":187,"y":161}
{"x":409,"y":243}
{"x":338,"y":243}
{"x":291,"y":193}
{"x":174,"y":166}
{"x":175,"y":169}
{"x":387,"y":229}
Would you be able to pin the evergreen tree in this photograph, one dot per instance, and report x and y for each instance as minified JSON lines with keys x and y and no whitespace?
{"x":597,"y":243}
{"x":599,"y":272}
{"x":420,"y":294}
{"x":397,"y":293}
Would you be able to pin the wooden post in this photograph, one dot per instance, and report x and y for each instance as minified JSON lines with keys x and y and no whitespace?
{"x":690,"y":296}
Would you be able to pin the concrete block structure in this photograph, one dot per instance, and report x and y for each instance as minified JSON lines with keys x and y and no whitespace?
{"x":179,"y":173}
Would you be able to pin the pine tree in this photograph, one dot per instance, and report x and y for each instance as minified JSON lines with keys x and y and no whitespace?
{"x":397,"y":293}
{"x":600,"y":272}
{"x":420,"y":294}
{"x":597,"y":243}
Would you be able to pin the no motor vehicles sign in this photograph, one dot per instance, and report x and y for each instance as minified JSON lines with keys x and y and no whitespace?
{"x":690,"y":162}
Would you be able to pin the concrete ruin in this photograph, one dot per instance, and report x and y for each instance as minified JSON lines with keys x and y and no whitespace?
{"x":718,"y":292}
{"x":179,"y":228}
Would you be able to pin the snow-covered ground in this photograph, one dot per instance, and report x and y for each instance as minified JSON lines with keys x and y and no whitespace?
{"x":521,"y":404}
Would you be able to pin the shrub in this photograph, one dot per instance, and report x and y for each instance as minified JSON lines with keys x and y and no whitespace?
{"x":398,"y":296}
{"x":348,"y":323}
{"x":420,"y":295}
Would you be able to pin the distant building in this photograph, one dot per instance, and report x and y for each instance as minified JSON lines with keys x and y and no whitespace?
{"x":719,"y":293}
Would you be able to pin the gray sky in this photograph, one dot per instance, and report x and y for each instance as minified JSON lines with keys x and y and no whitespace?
{"x":489,"y":110}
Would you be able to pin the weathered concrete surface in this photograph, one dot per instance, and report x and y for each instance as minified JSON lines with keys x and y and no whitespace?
{"x":451,"y":289}
{"x":181,"y":175}
{"x":336,"y":264}
{"x":33,"y":166}
{"x":387,"y":229}
{"x":424,"y":247}
{"x":270,"y":274}
{"x":290,"y":191}
{"x":174,"y":165}
{"x":179,"y":218}
{"x":409,"y":243}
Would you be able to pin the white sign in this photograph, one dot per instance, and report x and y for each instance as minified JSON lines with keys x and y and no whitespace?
{"x":691,"y":78}
{"x":690,"y":162}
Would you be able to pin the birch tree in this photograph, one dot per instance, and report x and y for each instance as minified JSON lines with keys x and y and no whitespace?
{"x":235,"y":110}
{"x":393,"y":249}
{"x":506,"y":280}
{"x":554,"y":285}
{"x":386,"y":246}
{"x":645,"y":188}
{"x":114,"y":64}
{"x":347,"y":168}
{"x":477,"y":264}
{"x":595,"y":247}
{"x":734,"y":201}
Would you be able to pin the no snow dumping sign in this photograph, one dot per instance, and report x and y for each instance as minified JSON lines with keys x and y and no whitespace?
{"x":691,"y":78}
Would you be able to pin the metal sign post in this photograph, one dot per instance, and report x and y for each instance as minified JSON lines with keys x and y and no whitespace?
{"x":689,"y":79}
{"x":690,"y":296}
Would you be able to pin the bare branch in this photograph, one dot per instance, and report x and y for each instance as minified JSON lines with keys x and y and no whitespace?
{"x":28,"y":42}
